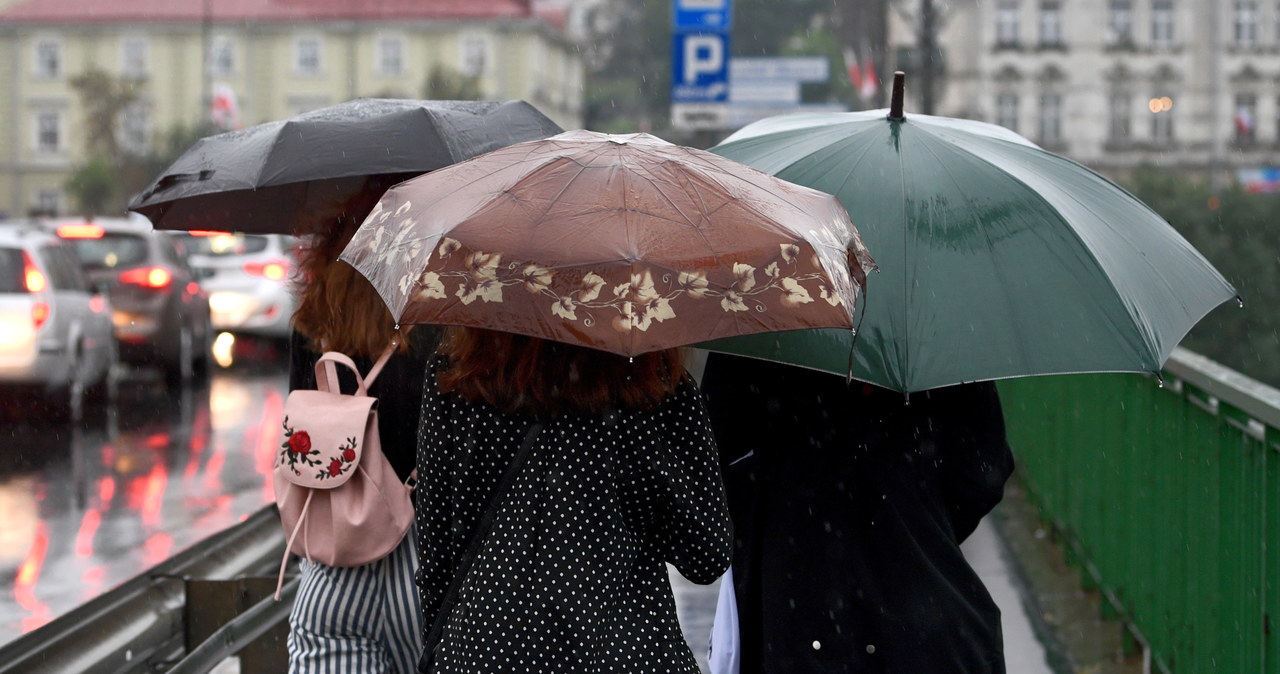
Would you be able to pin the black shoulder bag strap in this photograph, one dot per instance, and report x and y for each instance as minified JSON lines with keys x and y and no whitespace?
{"x":477,"y":539}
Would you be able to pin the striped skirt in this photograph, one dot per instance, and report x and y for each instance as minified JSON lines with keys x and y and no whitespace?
{"x":358,"y":619}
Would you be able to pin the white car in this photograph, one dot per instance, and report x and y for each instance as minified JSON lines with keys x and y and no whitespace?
{"x":248,"y":278}
{"x":56,"y":336}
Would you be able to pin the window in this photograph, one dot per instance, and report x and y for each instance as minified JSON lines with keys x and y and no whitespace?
{"x":1162,"y":23}
{"x":133,"y":57}
{"x":222,"y":56}
{"x":1121,"y":22}
{"x":47,"y":201}
{"x":1245,"y":115}
{"x":1050,"y":119}
{"x":1050,"y":23}
{"x":307,"y":55}
{"x":1246,"y":25}
{"x":1120,"y":121}
{"x":475,"y":50}
{"x":135,"y":129}
{"x":48,"y":58}
{"x":1007,"y":111}
{"x":1161,"y":108}
{"x":390,"y":56}
{"x":48,"y":131}
{"x":1007,"y":22}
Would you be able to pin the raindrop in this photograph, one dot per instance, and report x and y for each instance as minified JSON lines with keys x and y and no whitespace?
{"x":871,"y":648}
{"x":817,"y":645}
{"x":1240,"y":301}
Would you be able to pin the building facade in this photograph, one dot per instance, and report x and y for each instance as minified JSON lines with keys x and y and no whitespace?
{"x":1187,"y":84}
{"x":251,"y":61}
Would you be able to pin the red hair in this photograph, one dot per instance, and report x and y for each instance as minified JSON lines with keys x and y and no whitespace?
{"x":338,"y":309}
{"x":527,"y":375}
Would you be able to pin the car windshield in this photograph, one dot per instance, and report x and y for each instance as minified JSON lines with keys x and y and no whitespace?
{"x":11,"y":271}
{"x":112,"y":251}
{"x":226,"y":244}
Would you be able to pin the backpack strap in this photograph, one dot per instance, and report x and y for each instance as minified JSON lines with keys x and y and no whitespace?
{"x":327,"y":372}
{"x":289,"y":545}
{"x":477,"y":539}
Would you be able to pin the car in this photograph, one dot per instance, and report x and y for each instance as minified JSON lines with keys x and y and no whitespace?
{"x":160,"y":312}
{"x":248,"y":279}
{"x":55,"y":329}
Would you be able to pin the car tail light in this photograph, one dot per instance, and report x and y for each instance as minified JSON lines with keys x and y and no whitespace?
{"x":86,"y":230}
{"x":206,"y":232}
{"x":39,"y":313}
{"x":275,"y":270}
{"x":148,"y":277}
{"x":32,"y":277}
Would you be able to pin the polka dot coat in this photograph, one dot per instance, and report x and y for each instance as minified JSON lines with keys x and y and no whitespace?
{"x":572,"y":576}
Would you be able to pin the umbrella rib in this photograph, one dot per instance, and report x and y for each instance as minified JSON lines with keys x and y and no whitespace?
{"x":905,"y":365}
{"x":971,"y":208}
{"x":1037,"y":151}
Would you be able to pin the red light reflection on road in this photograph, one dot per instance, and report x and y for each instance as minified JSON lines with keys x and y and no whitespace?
{"x":213,"y":469}
{"x":153,"y":494}
{"x":93,"y":578}
{"x":88,"y":529}
{"x":106,"y":491}
{"x":157,"y":549}
{"x":24,"y":584}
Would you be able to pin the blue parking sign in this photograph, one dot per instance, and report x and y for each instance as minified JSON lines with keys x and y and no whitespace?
{"x":699,"y":68}
{"x":702,"y":14}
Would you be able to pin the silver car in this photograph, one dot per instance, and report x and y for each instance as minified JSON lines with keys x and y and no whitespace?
{"x":248,"y":279}
{"x":55,"y":331}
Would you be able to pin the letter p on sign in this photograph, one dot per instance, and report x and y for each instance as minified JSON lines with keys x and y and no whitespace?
{"x":703,"y":55}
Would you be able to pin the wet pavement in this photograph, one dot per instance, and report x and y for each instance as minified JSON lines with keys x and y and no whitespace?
{"x":88,"y":507}
{"x":696,"y":605}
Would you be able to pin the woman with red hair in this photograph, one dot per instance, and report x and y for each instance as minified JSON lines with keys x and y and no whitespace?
{"x":617,"y":476}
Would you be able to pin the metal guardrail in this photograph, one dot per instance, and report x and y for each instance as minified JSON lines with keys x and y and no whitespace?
{"x":239,"y":633}
{"x":140,"y":626}
{"x":1168,"y":498}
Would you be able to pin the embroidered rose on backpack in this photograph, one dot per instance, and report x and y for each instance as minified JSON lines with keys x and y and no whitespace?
{"x":297,"y":447}
{"x":341,"y":463}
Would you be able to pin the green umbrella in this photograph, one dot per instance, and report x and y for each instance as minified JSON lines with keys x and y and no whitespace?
{"x":997,"y":258}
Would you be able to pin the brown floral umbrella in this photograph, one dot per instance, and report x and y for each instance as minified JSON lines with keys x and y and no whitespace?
{"x":625,"y":243}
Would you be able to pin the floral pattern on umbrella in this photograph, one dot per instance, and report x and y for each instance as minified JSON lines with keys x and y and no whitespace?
{"x":628,"y":244}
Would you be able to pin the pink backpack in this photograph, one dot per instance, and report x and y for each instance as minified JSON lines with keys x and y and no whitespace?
{"x":341,"y":502}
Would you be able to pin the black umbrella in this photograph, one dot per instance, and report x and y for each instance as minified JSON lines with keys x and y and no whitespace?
{"x":274,"y":177}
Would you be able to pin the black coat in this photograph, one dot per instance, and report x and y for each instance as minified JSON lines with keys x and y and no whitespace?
{"x":849,"y":507}
{"x":572,"y":578}
{"x":398,"y":389}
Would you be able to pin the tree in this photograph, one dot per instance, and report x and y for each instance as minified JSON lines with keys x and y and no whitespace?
{"x":104,"y":99}
{"x":1235,"y":231}
{"x":447,"y":84}
{"x":95,"y":186}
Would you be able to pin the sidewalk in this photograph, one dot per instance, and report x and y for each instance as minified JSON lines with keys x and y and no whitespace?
{"x":1023,"y":653}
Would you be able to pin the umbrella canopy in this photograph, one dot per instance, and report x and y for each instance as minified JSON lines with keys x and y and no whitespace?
{"x":624,"y":243}
{"x":271,"y":177}
{"x":998,"y":259}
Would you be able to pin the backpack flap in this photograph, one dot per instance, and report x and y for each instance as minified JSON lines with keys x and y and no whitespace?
{"x":324,"y":436}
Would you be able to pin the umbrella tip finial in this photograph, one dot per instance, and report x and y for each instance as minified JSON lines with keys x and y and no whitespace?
{"x":895,"y":101}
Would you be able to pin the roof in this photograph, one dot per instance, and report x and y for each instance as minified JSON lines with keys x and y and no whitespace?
{"x":119,"y":11}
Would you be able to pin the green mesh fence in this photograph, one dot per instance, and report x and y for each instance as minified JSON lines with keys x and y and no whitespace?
{"x":1169,"y":499}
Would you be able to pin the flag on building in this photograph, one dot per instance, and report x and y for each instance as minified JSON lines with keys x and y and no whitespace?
{"x":223,"y":109}
{"x":870,"y":81}
{"x":1244,"y":121}
{"x":862,"y":75}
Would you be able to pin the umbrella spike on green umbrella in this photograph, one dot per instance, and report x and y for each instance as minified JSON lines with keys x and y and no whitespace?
{"x":996,"y":258}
